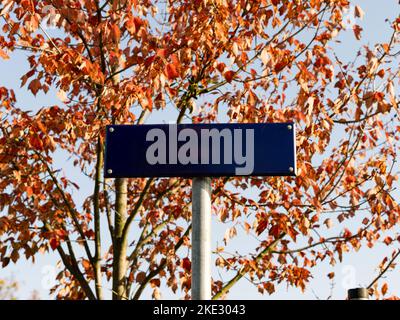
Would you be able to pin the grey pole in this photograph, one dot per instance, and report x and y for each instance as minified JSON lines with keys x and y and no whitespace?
{"x":201,"y":238}
{"x":358,"y":294}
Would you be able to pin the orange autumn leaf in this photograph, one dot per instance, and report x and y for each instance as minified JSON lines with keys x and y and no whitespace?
{"x":86,"y":264}
{"x":4,"y":55}
{"x":171,"y":71}
{"x":357,"y":31}
{"x":29,"y":191}
{"x":36,"y":142}
{"x":116,"y":32}
{"x":155,"y":283}
{"x":384,"y":288}
{"x":34,"y":86}
{"x":229,"y":76}
{"x":54,"y":243}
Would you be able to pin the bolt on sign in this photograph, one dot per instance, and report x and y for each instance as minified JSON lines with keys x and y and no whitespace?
{"x":200,"y":150}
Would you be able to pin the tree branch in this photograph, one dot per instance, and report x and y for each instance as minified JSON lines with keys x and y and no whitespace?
{"x":384,"y":270}
{"x":71,"y":210}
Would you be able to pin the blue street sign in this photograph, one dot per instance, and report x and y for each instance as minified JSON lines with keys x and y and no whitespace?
{"x":196,"y":150}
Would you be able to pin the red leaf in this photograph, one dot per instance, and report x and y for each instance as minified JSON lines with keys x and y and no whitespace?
{"x":357,"y":32}
{"x":186,"y":264}
{"x":229,"y":75}
{"x":221,"y":67}
{"x":261,"y":227}
{"x":155,"y":283}
{"x":89,"y":234}
{"x":36,"y":142}
{"x":171,"y":72}
{"x":138,"y":23}
{"x":54,"y":243}
{"x":280,"y":66}
{"x":274,"y":231}
{"x":148,"y":61}
{"x":6,"y":261}
{"x":34,"y":86}
{"x":270,"y":287}
{"x":388,"y":240}
{"x":141,"y":277}
{"x":14,"y":256}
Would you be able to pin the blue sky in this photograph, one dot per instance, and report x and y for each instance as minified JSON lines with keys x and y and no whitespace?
{"x":356,"y":269}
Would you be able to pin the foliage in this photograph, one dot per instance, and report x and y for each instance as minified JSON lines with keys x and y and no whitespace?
{"x":117,"y":61}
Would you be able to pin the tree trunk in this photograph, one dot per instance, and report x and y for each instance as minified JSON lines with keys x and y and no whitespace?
{"x":119,"y":250}
{"x":97,"y":228}
{"x":121,"y":200}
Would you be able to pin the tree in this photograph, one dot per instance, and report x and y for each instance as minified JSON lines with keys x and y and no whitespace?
{"x":116,"y":61}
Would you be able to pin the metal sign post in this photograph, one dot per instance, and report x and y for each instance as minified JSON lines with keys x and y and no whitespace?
{"x":358,"y":294}
{"x":201,"y":238}
{"x":200,"y":151}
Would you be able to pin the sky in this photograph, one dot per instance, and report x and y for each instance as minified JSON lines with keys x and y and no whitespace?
{"x":357,"y":268}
